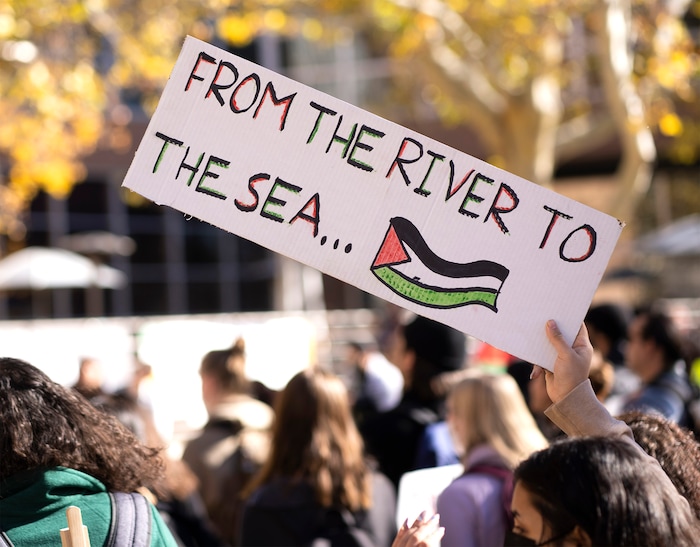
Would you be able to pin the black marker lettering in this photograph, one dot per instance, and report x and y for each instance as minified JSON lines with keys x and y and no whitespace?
{"x":321,"y":111}
{"x":192,"y":168}
{"x":286,"y":101}
{"x":213,"y":160}
{"x":201,"y":57}
{"x":314,"y":217}
{"x":364,"y":130}
{"x":167,"y":140}
{"x":252,"y":181}
{"x":436,"y":157}
{"x":496,"y":211}
{"x":555,"y":215}
{"x":399,"y":160}
{"x":234,"y":104}
{"x":471,"y":196}
{"x":215,"y":88}
{"x":272,"y":200}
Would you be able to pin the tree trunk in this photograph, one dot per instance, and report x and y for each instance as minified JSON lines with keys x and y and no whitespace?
{"x":612,"y":28}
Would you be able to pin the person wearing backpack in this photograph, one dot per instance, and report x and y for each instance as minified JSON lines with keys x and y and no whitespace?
{"x":58,"y":450}
{"x":316,"y":488}
{"x":494,"y":431}
{"x":234,"y":442}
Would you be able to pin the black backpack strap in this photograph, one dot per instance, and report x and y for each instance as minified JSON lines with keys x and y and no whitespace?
{"x":131,"y":520}
{"x":4,"y":540}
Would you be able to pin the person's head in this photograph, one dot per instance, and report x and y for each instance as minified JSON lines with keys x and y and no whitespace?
{"x":46,"y":425}
{"x":90,"y":377}
{"x":598,"y":491}
{"x":357,"y":355}
{"x":607,"y":328}
{"x":314,"y":438}
{"x":223,"y":372}
{"x":654,"y":346}
{"x":490,"y":409}
{"x":673,"y":447}
{"x":423,"y":349}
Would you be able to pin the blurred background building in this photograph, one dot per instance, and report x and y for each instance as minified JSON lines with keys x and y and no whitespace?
{"x":176,"y":265}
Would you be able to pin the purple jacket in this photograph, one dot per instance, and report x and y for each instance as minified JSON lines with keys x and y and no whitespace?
{"x":470,"y":508}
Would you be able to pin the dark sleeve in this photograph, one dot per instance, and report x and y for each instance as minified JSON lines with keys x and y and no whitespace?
{"x":392,"y":439}
{"x":189,"y":521}
{"x":655,"y":399}
{"x":267,"y":527}
{"x":426,"y":455}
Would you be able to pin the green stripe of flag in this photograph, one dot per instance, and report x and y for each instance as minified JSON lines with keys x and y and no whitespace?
{"x":435,"y":297}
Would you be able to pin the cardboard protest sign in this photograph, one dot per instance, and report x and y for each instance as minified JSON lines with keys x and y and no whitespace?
{"x":379,"y":206}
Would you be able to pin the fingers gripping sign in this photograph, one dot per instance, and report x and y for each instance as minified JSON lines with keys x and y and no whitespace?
{"x":572,"y":364}
{"x":424,"y":532}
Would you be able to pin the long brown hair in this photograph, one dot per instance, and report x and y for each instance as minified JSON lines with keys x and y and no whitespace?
{"x":314,"y":438}
{"x":227,"y":366}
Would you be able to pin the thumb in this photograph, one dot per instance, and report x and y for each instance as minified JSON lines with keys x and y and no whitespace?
{"x":556,"y":338}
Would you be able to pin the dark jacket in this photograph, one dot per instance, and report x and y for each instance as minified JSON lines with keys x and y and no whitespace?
{"x":283,"y":513}
{"x":393,"y":437}
{"x":666,"y":395}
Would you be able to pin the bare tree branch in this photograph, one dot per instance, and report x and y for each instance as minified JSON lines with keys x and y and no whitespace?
{"x":612,"y":33}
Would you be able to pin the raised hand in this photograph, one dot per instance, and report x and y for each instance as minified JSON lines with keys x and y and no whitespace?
{"x":422,"y":533}
{"x":572,"y":364}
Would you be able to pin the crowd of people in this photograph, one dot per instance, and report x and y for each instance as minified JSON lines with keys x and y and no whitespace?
{"x":600,"y":450}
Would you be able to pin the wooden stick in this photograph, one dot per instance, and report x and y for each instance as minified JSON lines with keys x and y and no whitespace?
{"x":76,"y":535}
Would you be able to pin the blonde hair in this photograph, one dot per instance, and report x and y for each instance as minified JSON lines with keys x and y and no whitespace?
{"x":227,"y":366}
{"x":490,"y":409}
{"x":314,"y":438}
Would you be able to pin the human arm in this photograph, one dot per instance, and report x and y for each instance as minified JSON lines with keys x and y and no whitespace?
{"x":575,"y":409}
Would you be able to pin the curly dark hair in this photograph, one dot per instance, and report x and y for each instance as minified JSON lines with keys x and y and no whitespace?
{"x":674,"y":447}
{"x":45,"y":425}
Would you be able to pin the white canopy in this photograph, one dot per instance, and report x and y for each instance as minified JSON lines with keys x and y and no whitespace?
{"x":38,"y":268}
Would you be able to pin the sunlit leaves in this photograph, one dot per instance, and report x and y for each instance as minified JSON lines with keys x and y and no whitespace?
{"x":64,"y":65}
{"x":237,"y":30}
{"x":671,"y":125}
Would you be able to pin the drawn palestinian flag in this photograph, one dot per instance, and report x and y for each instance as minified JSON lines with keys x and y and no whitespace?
{"x":406,"y":265}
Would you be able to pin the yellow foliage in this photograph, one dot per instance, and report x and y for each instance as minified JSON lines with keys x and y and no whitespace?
{"x":7,"y":25}
{"x":236,"y":30}
{"x":56,"y":176}
{"x":53,"y":107}
{"x":671,"y":125}
{"x":274,"y":20}
{"x":523,"y":25}
{"x":312,"y":30}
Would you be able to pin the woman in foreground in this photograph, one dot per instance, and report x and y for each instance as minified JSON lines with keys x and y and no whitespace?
{"x":598,"y":487}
